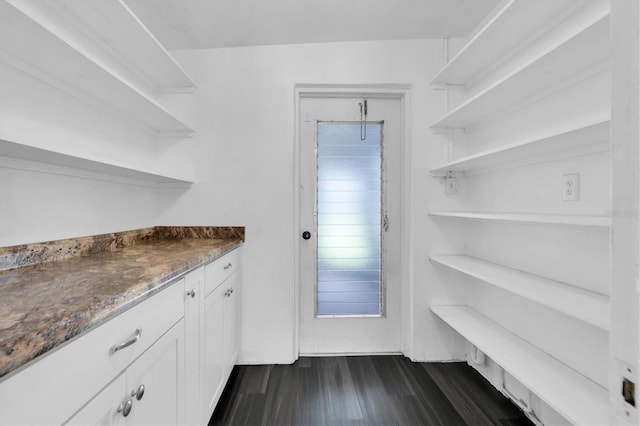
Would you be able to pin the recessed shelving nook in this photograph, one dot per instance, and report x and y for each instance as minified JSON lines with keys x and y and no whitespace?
{"x":528,"y":102}
{"x":98,"y":54}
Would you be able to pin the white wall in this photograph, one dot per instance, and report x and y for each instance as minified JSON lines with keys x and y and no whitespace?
{"x":244,"y":166}
{"x":42,"y":202}
{"x":48,"y":203}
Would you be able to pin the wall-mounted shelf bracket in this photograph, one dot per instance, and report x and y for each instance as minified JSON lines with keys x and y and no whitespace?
{"x":438,"y":86}
{"x":447,"y":173}
{"x":440,"y":130}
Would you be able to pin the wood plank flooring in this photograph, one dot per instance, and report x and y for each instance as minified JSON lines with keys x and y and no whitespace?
{"x":362,"y":391}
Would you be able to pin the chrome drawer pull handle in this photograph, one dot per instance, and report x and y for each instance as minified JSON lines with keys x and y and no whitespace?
{"x":139,"y":393}
{"x":125,"y":408}
{"x":227,"y":266}
{"x":131,"y":341}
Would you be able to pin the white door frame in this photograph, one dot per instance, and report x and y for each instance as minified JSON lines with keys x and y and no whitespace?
{"x":395,"y":91}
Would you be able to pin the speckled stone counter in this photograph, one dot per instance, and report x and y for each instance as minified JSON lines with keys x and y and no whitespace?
{"x":52,"y":292}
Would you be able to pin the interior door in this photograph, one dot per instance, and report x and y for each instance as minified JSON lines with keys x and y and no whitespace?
{"x":349,"y":228}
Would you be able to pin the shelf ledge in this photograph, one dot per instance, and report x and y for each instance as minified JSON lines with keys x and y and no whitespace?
{"x":595,"y":221}
{"x":592,"y":134}
{"x":572,"y":395}
{"x":60,"y":159}
{"x":581,"y":48}
{"x":488,"y":45}
{"x":584,"y":305}
{"x":73,"y":61}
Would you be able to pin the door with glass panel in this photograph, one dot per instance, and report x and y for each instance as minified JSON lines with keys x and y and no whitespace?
{"x":349,"y":242}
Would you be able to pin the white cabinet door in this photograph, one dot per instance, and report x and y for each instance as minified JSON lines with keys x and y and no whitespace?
{"x":194,"y":299}
{"x":231,"y":322}
{"x":154,"y":382}
{"x":213,"y":363}
{"x":103,"y":409}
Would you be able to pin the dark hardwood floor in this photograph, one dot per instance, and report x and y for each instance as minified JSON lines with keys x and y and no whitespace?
{"x":363,"y":391}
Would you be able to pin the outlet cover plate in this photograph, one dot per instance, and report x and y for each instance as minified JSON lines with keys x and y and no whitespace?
{"x":571,"y":187}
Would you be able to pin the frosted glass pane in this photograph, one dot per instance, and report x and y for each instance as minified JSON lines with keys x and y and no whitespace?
{"x":348,"y":207}
{"x":349,"y":276}
{"x":329,"y":308}
{"x":353,"y":286}
{"x":348,"y":230}
{"x":349,"y":240}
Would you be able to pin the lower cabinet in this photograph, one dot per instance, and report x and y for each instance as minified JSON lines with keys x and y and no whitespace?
{"x":231,"y":322}
{"x":146,"y":393}
{"x":162,"y":362}
{"x":194,"y":296}
{"x":213,"y":365}
{"x":220,"y":331}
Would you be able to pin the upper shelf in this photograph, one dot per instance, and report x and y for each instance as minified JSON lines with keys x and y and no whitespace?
{"x":488,"y":45}
{"x":67,"y":44}
{"x":579,"y":303}
{"x":25,"y":152}
{"x":583,"y":220}
{"x":572,"y":395}
{"x":115,"y":24}
{"x":577,"y":50}
{"x":594,"y":133}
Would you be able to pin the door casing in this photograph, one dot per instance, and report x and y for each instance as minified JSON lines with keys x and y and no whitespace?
{"x":392,"y":91}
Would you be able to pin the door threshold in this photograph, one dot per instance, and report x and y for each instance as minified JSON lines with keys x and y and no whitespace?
{"x":327,"y":354}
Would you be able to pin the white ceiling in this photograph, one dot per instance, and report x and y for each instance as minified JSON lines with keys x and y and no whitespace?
{"x":198,"y":24}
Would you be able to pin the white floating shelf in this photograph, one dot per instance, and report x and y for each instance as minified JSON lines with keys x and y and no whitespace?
{"x":488,"y":45}
{"x":572,"y":395}
{"x":41,"y":45}
{"x":593,"y":134}
{"x":115,"y":24}
{"x":596,"y":221}
{"x":25,"y":152}
{"x":579,"y":303}
{"x":579,"y":50}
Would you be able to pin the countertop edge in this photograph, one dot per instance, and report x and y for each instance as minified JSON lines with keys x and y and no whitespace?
{"x":127,"y":304}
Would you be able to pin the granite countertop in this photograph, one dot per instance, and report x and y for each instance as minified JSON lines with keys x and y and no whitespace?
{"x":56,"y":298}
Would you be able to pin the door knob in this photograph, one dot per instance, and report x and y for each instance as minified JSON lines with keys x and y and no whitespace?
{"x":306,"y":235}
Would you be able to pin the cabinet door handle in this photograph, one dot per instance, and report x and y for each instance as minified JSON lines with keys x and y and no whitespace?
{"x":191,"y":293}
{"x":227,"y":266}
{"x":227,"y":293}
{"x":125,"y":408}
{"x":131,"y":341}
{"x":138,"y":393}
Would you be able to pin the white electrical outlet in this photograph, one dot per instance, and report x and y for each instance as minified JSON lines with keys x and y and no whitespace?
{"x":571,"y":187}
{"x":450,"y":185}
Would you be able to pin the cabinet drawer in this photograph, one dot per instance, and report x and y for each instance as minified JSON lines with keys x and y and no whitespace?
{"x":221,"y":269}
{"x":55,"y":387}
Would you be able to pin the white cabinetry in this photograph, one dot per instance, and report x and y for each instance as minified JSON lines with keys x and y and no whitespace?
{"x":231,"y":322}
{"x":194,"y":284}
{"x":212,"y":351}
{"x":220,"y":331}
{"x":54,"y":388}
{"x":147,"y":393}
{"x":164,"y":361}
{"x":101,"y":410}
